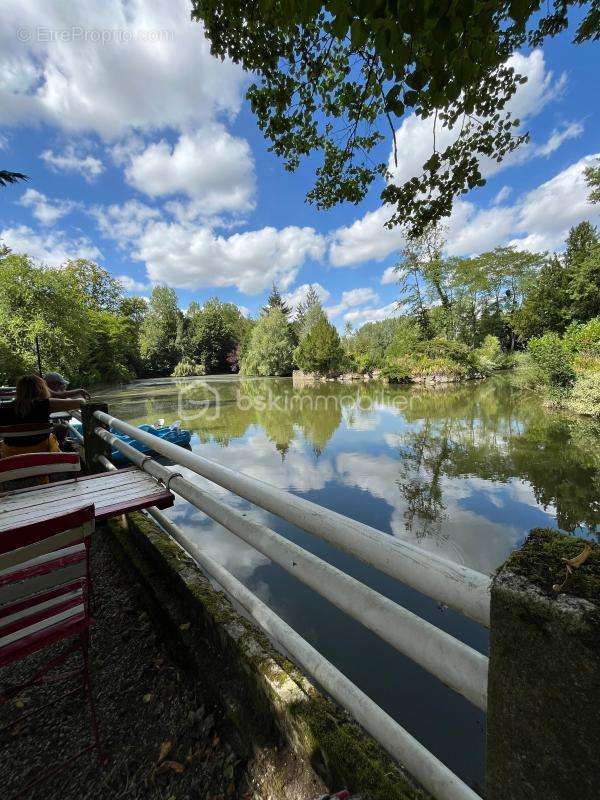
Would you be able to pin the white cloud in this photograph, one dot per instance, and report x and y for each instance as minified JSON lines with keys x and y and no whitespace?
{"x":571,"y":131}
{"x":414,"y":138}
{"x":298,"y":295}
{"x":550,"y":210}
{"x":45,"y":210}
{"x":373,"y":314}
{"x":152,"y":70}
{"x":189,"y":257}
{"x":390,"y":275}
{"x":366,"y":239}
{"x":210,"y":166}
{"x":472,"y":231}
{"x":352,"y":299}
{"x":124,"y":223}
{"x":537,"y":221}
{"x":69,"y":161}
{"x":52,"y":248}
{"x":123,"y":151}
{"x":504,"y":193}
{"x":131,"y":285}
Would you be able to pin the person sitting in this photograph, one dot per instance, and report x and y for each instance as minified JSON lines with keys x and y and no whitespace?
{"x":33,"y":403}
{"x":58,"y":387}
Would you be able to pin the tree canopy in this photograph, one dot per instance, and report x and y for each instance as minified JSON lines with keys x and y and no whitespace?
{"x":84,"y":329}
{"x":334,"y":75}
{"x":275,"y":300}
{"x":270,"y":349}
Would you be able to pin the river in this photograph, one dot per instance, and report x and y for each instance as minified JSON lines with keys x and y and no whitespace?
{"x":464,"y":472}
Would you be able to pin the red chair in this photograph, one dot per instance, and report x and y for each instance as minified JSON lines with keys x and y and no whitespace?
{"x":44,"y":599}
{"x":28,"y":468}
{"x":10,"y":432}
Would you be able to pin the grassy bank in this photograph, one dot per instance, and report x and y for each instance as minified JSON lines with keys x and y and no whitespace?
{"x":565,"y":368}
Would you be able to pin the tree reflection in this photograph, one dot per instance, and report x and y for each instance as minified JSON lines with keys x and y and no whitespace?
{"x":495,"y":433}
{"x":490,"y":430}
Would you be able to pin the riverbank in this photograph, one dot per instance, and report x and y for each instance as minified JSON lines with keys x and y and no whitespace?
{"x":160,"y":732}
{"x":300,"y":378}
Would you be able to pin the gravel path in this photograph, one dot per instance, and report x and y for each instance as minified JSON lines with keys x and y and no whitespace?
{"x":160,"y":738}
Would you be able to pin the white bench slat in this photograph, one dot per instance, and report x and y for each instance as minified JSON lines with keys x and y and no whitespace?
{"x":38,"y":626}
{"x":105,"y":499}
{"x":79,"y":487}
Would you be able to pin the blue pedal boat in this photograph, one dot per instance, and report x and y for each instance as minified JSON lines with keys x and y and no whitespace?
{"x":174,"y":434}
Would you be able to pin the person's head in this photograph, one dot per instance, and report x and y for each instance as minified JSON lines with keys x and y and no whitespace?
{"x":29,"y":389}
{"x":56,"y":382}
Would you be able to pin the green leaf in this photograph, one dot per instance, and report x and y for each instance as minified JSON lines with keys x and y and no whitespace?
{"x":359,"y":34}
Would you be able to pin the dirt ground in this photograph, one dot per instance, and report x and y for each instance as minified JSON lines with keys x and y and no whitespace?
{"x":161,"y":738}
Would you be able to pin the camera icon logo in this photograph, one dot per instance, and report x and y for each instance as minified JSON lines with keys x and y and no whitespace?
{"x":199,"y":400}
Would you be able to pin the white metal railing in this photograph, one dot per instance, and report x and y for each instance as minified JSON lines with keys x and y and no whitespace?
{"x":453,"y":662}
{"x":456,"y":664}
{"x":75,"y":433}
{"x":440,"y":781}
{"x":461,"y":588}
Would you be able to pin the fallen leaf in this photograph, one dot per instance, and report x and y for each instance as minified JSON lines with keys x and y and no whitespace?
{"x":147,"y":698}
{"x":165,"y":749}
{"x":170,"y":766}
{"x":185,"y":627}
{"x":231,"y":789}
{"x":19,"y":703}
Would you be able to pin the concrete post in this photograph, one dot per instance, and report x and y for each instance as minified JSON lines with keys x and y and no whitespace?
{"x":543,"y":724}
{"x":93,"y":445}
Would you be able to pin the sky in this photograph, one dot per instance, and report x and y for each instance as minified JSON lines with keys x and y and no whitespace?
{"x":143,"y":155}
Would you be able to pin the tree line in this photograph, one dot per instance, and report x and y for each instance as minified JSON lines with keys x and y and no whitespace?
{"x":458,"y":317}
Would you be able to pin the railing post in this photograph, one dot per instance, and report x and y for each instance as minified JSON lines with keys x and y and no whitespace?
{"x":93,"y":445}
{"x":543,"y":724}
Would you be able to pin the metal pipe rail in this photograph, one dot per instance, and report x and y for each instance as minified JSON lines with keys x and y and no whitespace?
{"x":454,"y":663}
{"x":423,"y":765}
{"x":461,"y":588}
{"x":75,"y":433}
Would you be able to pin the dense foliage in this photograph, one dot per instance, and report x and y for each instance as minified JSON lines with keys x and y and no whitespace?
{"x":320,"y":350}
{"x":82,"y":324}
{"x":271,"y":347}
{"x":457,"y":318}
{"x":334,"y":75}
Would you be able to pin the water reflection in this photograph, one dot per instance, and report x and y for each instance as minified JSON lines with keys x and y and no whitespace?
{"x":465,"y":472}
{"x":483,"y":453}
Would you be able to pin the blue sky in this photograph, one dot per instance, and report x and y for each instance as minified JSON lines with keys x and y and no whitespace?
{"x":144,"y":156}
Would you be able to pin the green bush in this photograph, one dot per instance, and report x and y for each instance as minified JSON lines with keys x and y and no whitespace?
{"x":365,"y":362}
{"x":270,"y":350}
{"x":585,"y":395}
{"x":553,"y":359}
{"x":186,"y":368}
{"x":320,"y":350}
{"x":451,"y":351}
{"x":490,"y":356}
{"x":405,"y":368}
{"x":528,"y":374}
{"x":584,"y":338}
{"x":407,"y":338}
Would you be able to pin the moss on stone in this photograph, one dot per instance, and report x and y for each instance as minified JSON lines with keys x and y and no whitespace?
{"x":541,"y":560}
{"x":351,"y":757}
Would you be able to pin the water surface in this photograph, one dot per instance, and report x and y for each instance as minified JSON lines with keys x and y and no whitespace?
{"x":464,"y":472}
